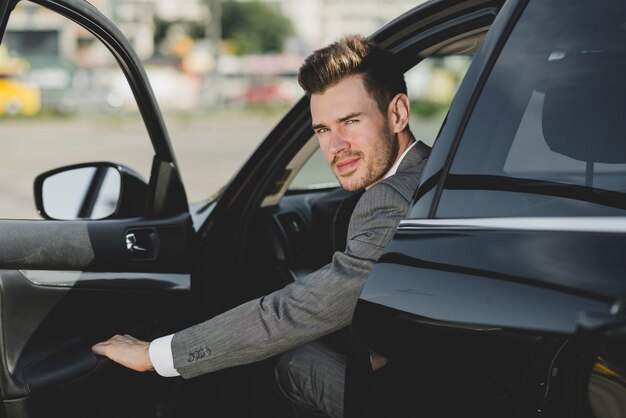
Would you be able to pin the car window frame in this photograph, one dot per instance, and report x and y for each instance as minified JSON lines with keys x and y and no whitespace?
{"x":434,"y":174}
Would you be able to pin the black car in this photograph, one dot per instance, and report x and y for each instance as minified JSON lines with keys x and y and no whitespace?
{"x":500,"y":295}
{"x":503,"y":292}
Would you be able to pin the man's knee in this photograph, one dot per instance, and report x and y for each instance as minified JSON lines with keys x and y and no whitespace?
{"x":290,"y":376}
{"x":312,"y":377}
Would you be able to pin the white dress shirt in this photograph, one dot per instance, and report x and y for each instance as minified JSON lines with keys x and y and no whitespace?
{"x":395,"y":166}
{"x":160,"y":350}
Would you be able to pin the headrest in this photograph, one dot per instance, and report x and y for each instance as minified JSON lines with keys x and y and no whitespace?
{"x":584,"y":109}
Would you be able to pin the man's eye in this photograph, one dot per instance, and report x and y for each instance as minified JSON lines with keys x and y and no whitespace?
{"x":351,"y":121}
{"x":321,"y":131}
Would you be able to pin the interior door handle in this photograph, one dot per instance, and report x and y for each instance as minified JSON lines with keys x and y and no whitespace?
{"x":131,"y":244}
{"x":142,"y":243}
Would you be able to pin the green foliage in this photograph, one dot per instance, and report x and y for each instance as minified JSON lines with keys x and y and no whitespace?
{"x":427,"y":108}
{"x":254,"y":27}
{"x":194,"y":29}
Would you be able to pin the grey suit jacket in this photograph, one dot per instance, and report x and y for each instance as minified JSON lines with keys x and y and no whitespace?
{"x":306,"y":309}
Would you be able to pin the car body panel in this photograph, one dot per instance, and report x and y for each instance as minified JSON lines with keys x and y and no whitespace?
{"x":513,"y":313}
{"x":483,"y":277}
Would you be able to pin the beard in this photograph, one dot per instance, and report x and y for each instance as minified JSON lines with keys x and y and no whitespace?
{"x":377,"y":163}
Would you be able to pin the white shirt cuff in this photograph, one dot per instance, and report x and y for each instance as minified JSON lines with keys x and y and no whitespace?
{"x":161,"y":356}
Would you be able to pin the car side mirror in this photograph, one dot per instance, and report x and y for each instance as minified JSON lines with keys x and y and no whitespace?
{"x":90,"y":191}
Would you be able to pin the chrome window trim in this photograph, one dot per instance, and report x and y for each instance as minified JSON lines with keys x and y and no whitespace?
{"x":606,"y":224}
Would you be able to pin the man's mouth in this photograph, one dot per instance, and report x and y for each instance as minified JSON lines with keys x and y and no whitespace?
{"x":347,"y":165}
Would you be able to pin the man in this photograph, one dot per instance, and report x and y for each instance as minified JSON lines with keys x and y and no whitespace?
{"x":360,"y":113}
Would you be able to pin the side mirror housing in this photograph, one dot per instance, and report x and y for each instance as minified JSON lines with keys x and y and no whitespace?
{"x":100,"y":190}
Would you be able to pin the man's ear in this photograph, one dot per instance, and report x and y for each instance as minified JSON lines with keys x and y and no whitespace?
{"x":399,"y":112}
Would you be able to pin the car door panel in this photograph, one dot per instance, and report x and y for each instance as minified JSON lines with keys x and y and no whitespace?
{"x":493,"y":282}
{"x":48,"y":368}
{"x":96,"y":245}
{"x":61,"y":299}
{"x":459,"y":296}
{"x":502,"y":253}
{"x":65,"y":285}
{"x":510,"y":309}
{"x":48,"y":330}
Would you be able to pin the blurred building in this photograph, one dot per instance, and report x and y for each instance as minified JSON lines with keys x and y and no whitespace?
{"x":136,"y":18}
{"x":73,"y":70}
{"x":319,"y":22}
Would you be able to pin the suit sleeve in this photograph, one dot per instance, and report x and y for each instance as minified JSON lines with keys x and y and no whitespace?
{"x":302,"y":311}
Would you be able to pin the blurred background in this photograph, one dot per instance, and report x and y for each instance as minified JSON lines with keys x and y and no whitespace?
{"x":223,"y":72}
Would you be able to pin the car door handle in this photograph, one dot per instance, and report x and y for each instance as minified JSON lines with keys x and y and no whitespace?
{"x":131,"y":244}
{"x":142,"y":243}
{"x":600,"y":321}
{"x":593,"y":321}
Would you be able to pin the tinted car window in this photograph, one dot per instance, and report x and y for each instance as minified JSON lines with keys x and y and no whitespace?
{"x":547,"y":136}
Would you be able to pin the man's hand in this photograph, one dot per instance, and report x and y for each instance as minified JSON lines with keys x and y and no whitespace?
{"x":378,"y":361}
{"x":127,"y":351}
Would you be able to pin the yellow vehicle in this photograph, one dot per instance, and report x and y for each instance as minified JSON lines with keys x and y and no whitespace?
{"x":17,"y":97}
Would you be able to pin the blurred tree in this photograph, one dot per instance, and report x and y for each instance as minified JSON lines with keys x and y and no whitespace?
{"x":194,"y":29}
{"x":254,"y":27}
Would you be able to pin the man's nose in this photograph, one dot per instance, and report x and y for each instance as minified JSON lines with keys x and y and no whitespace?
{"x":338,"y":142}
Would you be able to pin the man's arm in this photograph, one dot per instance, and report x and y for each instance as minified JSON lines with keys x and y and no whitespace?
{"x":302,"y":311}
{"x":307,"y":309}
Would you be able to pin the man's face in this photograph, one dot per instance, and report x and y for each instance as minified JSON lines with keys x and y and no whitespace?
{"x":354,"y":135}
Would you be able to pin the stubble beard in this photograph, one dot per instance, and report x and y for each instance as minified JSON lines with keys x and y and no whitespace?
{"x":377,"y":164}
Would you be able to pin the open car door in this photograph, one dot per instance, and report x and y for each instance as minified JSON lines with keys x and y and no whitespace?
{"x":66,"y":284}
